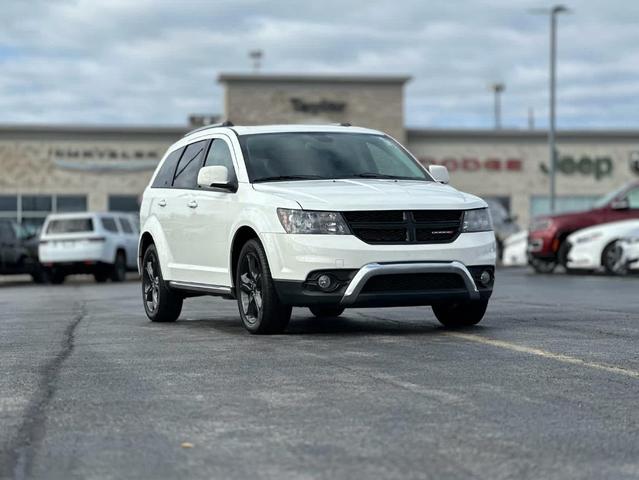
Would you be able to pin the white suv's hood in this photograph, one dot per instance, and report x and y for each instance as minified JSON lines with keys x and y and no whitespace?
{"x":371,"y":194}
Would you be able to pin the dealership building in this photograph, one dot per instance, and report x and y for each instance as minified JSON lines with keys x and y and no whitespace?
{"x":75,"y":168}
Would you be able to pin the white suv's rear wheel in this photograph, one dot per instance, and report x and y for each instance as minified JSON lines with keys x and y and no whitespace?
{"x":260,"y":307}
{"x":161,"y":304}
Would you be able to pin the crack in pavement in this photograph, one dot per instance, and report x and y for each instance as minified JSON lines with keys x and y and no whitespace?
{"x":17,"y":460}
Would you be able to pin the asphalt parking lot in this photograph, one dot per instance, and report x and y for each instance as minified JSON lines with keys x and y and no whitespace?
{"x":546,"y":387}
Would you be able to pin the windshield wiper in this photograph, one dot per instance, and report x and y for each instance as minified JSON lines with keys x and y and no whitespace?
{"x":380,"y":175}
{"x":289,"y":177}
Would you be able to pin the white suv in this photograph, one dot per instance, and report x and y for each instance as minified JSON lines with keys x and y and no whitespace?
{"x":325,"y":217}
{"x":102,"y":244}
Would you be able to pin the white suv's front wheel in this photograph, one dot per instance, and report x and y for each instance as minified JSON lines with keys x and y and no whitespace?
{"x":260,"y":307}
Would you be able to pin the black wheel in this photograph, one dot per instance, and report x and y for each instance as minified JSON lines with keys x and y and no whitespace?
{"x":101,"y":276}
{"x":612,"y":259}
{"x":118,"y":274}
{"x":161,"y":304}
{"x":542,"y":266}
{"x":260,"y":308}
{"x":327,"y":312}
{"x":460,"y":314}
{"x":57,"y":276}
{"x":40,"y":275}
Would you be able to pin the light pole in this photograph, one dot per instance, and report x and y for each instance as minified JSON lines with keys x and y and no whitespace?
{"x":552,"y":150}
{"x":256,"y":56}
{"x":497,"y":89}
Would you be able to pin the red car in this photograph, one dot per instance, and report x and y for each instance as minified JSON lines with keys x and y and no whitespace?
{"x":547,"y":247}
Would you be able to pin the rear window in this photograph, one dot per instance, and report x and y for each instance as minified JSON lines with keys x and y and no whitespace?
{"x":108,"y":224}
{"x":70,"y":225}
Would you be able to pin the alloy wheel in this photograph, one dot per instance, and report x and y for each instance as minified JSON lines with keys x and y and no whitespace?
{"x":151,"y":284}
{"x":251,"y":288}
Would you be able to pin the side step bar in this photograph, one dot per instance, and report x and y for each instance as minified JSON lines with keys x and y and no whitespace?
{"x":203,"y":288}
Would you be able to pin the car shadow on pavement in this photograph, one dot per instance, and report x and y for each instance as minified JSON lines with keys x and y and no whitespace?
{"x":345,"y":325}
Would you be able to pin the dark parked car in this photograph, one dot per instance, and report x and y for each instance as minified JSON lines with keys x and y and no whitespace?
{"x":547,"y":246}
{"x":19,"y":251}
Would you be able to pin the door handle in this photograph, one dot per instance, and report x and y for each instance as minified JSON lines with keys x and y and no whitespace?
{"x":192,"y":204}
{"x":162,"y":203}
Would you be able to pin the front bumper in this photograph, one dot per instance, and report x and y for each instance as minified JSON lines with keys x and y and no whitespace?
{"x":294,"y":257}
{"x":584,"y":257}
{"x":402,"y":285}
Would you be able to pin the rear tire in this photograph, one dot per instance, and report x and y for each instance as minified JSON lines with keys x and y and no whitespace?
{"x":57,"y":277}
{"x":161,"y":304}
{"x":100,"y":276}
{"x":326,"y":312}
{"x":118,"y":274}
{"x":460,"y":314}
{"x":259,"y":305}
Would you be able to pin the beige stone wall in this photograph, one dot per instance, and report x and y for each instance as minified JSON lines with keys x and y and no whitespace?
{"x":34,"y":167}
{"x":532,"y":153}
{"x":372,"y":105}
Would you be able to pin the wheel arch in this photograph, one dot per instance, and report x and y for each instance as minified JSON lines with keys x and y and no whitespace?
{"x":146,"y":239}
{"x":241,"y":236}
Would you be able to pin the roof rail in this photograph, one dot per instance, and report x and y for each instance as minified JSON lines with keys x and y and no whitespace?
{"x":345,"y":124}
{"x":226,"y":123}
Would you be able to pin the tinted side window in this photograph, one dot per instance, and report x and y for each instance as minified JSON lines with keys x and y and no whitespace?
{"x":164,"y":178}
{"x":633,"y":198}
{"x":189,"y":166}
{"x":6,"y":232}
{"x":219,"y":154}
{"x":126,"y":225}
{"x":109,"y":225}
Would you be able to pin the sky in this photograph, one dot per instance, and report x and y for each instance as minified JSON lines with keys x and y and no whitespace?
{"x":154,"y":62}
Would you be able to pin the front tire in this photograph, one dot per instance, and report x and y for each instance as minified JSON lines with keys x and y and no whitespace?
{"x":260,"y":307}
{"x":542,"y":266}
{"x":326,"y":312}
{"x":460,"y":314}
{"x":161,"y":304}
{"x":612,"y":259}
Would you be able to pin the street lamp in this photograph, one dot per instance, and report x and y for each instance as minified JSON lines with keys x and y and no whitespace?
{"x":497,"y":88}
{"x":552,"y":12}
{"x":256,"y":56}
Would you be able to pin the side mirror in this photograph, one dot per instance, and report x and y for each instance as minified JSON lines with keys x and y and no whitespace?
{"x":439,"y":173}
{"x":620,"y":204}
{"x":214,"y":177}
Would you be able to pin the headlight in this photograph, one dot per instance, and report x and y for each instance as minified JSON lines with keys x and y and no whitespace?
{"x":477,"y":221}
{"x":588,"y":238}
{"x":304,"y":221}
{"x":540,"y":224}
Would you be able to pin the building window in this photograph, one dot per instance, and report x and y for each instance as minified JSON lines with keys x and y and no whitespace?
{"x":540,"y":204}
{"x":71,"y":203}
{"x":123,"y":203}
{"x":31,"y":210}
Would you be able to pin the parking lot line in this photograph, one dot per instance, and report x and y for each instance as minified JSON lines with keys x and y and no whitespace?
{"x":544,"y":353}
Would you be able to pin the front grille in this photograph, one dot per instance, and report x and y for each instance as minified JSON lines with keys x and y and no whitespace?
{"x":410,"y":226}
{"x":414,"y":282}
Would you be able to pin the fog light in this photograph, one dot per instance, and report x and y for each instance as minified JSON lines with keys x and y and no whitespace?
{"x":485,"y":278}
{"x":325,"y":282}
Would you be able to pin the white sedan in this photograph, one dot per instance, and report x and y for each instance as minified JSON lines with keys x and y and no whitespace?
{"x":629,"y":246}
{"x":514,"y":253}
{"x":598,"y":246}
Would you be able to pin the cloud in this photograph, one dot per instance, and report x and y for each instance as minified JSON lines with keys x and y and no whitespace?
{"x":154,"y":62}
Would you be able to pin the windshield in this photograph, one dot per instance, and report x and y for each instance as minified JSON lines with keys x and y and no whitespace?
{"x":327,"y":155}
{"x":609,"y":197}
